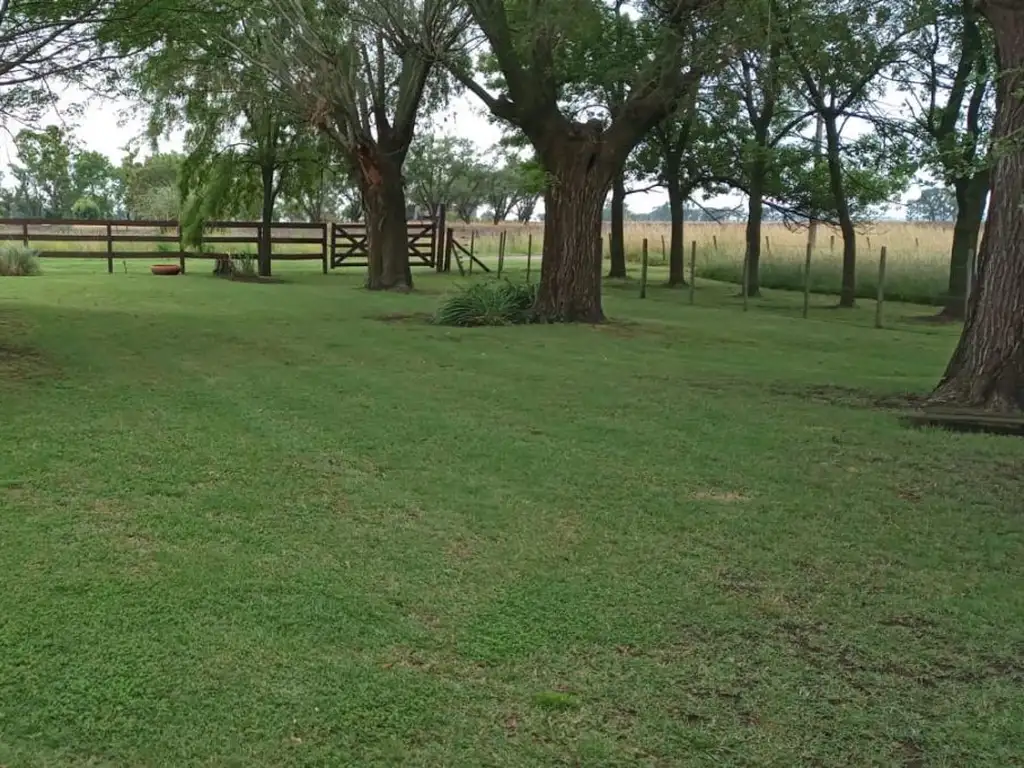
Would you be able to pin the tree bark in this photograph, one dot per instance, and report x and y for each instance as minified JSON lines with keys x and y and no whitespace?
{"x":380,"y":180}
{"x":677,"y":250}
{"x":987,"y":367}
{"x":266,"y":220}
{"x":971,"y":193}
{"x":848,"y":293}
{"x":755,"y":215}
{"x":570,"y":278}
{"x":618,"y":228}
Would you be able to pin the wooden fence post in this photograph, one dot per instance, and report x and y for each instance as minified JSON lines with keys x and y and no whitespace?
{"x":472,"y":249}
{"x":768,"y":244}
{"x":693,"y":271}
{"x":529,"y":255}
{"x":643,"y":271}
{"x":746,"y":277}
{"x":831,"y":243}
{"x":664,"y":253}
{"x":501,"y":252}
{"x":714,"y":239}
{"x":110,"y":249}
{"x":440,"y":242}
{"x":881,"y":289}
{"x":807,"y":279}
{"x":324,"y":257}
{"x":24,"y":234}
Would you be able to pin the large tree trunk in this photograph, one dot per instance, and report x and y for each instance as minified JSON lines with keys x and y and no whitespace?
{"x":380,"y":179}
{"x":755,"y":215}
{"x":987,"y":368}
{"x":677,"y":250}
{"x":618,"y":239}
{"x":570,"y":277}
{"x":848,"y":293}
{"x":970,"y":207}
{"x":266,"y":220}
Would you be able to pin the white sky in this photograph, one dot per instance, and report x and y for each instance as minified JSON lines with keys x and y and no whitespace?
{"x":106,"y":126}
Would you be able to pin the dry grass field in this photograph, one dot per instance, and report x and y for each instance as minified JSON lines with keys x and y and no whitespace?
{"x":917,"y":262}
{"x":918,"y":254}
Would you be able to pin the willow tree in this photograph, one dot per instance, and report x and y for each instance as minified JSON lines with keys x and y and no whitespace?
{"x":543,"y":50}
{"x":987,"y":367}
{"x":360,"y":72}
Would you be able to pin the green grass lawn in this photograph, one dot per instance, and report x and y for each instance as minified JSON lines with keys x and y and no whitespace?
{"x":257,"y":525}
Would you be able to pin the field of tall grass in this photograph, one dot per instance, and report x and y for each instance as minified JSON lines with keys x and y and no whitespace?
{"x":917,"y":261}
{"x":917,"y":264}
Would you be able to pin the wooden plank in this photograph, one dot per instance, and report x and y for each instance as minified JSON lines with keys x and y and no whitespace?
{"x":296,"y":240}
{"x":73,"y":254}
{"x":295,"y":256}
{"x":85,"y":223}
{"x":119,"y":238}
{"x":55,"y":238}
{"x":240,"y":239}
{"x":157,"y":255}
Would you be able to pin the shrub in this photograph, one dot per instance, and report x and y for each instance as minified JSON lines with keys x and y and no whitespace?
{"x":247,"y":264}
{"x":16,"y":260}
{"x":501,"y":303}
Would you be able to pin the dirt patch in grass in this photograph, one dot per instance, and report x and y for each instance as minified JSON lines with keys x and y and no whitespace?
{"x":22,"y":363}
{"x":851,"y":397}
{"x":415,"y":318}
{"x":256,"y":279}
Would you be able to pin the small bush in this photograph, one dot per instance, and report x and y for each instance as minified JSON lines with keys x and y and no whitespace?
{"x":16,"y":261}
{"x":247,"y":265}
{"x":501,"y":303}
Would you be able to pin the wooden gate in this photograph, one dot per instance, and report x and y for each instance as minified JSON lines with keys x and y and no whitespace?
{"x":350,"y":246}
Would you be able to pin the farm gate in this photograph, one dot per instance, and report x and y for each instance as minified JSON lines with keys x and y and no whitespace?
{"x":349,"y":244}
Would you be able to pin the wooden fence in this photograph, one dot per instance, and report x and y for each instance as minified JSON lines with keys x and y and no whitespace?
{"x":122,"y":239}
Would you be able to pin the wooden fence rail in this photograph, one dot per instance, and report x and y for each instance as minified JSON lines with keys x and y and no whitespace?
{"x":124,"y":239}
{"x":333,"y":244}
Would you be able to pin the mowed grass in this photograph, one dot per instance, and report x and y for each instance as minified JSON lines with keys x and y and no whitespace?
{"x":289,"y":525}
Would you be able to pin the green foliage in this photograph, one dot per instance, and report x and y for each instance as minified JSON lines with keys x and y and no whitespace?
{"x":43,"y":174}
{"x":488,"y":303}
{"x":933,"y":204}
{"x":18,"y":261}
{"x":442,"y":170}
{"x":86,"y":208}
{"x":53,"y":174}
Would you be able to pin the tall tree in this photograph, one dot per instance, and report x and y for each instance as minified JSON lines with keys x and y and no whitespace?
{"x":684,"y":153}
{"x":933,"y":204}
{"x":948,"y":81}
{"x":45,"y":187}
{"x":769,"y":110}
{"x":987,"y":368}
{"x":360,"y":72}
{"x":94,"y":178}
{"x":839,"y":50}
{"x":543,"y":51}
{"x":435,"y":166}
{"x":148,"y":189}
